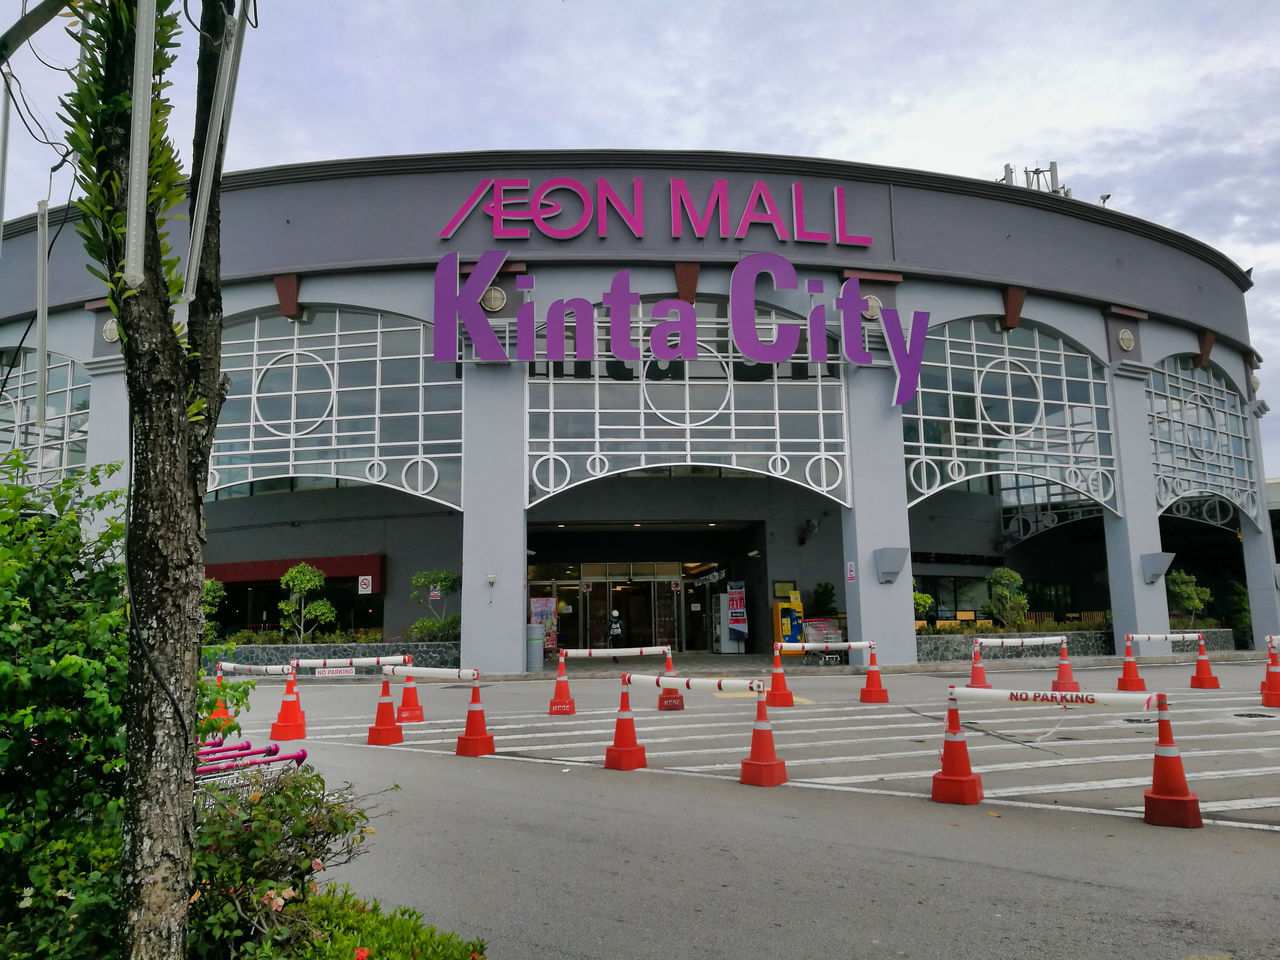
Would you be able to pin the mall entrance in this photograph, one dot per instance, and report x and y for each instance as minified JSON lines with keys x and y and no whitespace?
{"x":676,"y":603}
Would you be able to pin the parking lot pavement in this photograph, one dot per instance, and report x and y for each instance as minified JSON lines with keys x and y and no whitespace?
{"x":1076,"y":758}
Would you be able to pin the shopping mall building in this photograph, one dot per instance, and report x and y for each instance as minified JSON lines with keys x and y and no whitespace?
{"x":649,"y":381}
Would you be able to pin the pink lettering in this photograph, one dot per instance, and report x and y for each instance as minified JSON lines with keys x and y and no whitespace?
{"x":541,"y":213}
{"x":842,"y":235}
{"x":682,"y":202}
{"x":771,"y":215}
{"x":496,"y":208}
{"x":464,"y":211}
{"x":797,"y":218}
{"x":606,"y":198}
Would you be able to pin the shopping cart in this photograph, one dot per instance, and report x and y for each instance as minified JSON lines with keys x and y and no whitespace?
{"x":823,"y":631}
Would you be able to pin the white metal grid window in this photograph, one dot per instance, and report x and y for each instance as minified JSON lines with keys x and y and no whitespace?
{"x":62,"y":445}
{"x":589,"y":419}
{"x":1199,"y":437}
{"x":1017,"y":402}
{"x":345,"y":393}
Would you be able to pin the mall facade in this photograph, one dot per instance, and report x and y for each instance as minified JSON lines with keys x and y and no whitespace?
{"x":654,"y":382}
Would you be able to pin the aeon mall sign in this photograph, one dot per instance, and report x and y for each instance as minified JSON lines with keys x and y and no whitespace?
{"x":516,"y":208}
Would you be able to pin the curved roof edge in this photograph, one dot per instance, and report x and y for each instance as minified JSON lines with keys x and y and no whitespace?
{"x":711,"y":160}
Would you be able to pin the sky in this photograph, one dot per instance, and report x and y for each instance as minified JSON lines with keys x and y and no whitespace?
{"x":1170,"y":106}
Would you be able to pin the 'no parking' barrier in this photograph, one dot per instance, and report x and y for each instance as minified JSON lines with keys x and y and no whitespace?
{"x":761,"y":768}
{"x":1169,"y":803}
{"x":475,"y":740}
{"x":562,"y":704}
{"x":978,"y":673}
{"x":780,"y":696}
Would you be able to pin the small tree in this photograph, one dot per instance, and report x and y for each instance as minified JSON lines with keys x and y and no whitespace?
{"x":443,"y":583}
{"x":211,"y":597}
{"x":1184,"y":595}
{"x":824,"y":599}
{"x":298,"y":615}
{"x":1008,"y":603}
{"x":922,"y":601}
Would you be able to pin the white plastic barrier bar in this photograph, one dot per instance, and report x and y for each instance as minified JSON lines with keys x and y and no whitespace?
{"x":431,"y":673}
{"x":798,"y":647}
{"x":1156,"y":637}
{"x":616,"y":652}
{"x":254,"y":670}
{"x":1019,"y":642}
{"x":727,"y":684}
{"x":353,"y":662}
{"x":1129,"y":701}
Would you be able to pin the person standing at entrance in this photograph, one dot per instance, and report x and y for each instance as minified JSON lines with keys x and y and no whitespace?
{"x":615,"y":631}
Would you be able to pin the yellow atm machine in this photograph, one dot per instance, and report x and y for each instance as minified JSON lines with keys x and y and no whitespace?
{"x":788,"y":620}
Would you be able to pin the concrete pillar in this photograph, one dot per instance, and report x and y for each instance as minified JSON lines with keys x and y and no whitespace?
{"x":1136,"y":606}
{"x":1259,"y":548}
{"x":494,"y":561}
{"x":875,"y":530}
{"x":108,"y":415}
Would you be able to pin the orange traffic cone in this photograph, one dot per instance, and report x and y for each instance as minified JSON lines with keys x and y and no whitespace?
{"x":1271,"y":683}
{"x":1129,"y":679}
{"x":762,"y":768}
{"x":410,"y":710}
{"x":874,"y":691}
{"x":955,"y":782}
{"x":978,"y":675}
{"x":625,"y":753}
{"x":291,"y":723}
{"x":561,"y":702}
{"x":475,"y":741}
{"x":1065,"y":682}
{"x":1169,"y":803}
{"x":1203,"y":678}
{"x":220,"y":711}
{"x":669,"y":699}
{"x":779,"y":695}
{"x":385,"y":731}
{"x":1271,"y":678}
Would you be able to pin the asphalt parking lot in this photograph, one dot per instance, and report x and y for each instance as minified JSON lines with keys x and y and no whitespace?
{"x":544,"y":852}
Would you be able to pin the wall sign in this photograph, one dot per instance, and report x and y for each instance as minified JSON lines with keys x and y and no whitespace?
{"x":364,"y":584}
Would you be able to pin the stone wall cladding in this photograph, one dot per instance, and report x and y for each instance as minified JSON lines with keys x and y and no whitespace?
{"x":264,"y":654}
{"x":937,"y":648}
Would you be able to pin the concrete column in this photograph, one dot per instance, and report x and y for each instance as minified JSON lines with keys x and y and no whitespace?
{"x":494,"y":561}
{"x":877,"y":611}
{"x":108,"y":415}
{"x":1136,"y":606}
{"x":1259,"y":548}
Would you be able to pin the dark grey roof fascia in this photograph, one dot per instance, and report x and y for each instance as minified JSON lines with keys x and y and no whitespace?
{"x":712,"y":160}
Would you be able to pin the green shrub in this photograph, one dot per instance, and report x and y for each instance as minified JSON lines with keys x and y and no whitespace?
{"x":428,"y":630}
{"x":1008,"y":604}
{"x":62,"y":681}
{"x":259,"y":845}
{"x":248,"y":638}
{"x":299,"y":617}
{"x":345,"y":927}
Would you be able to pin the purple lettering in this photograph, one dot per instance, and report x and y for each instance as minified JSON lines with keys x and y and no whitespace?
{"x":606,"y":198}
{"x":797,"y":218}
{"x":584,"y":329}
{"x":742,"y":308}
{"x":540,"y":215}
{"x":618,"y":301}
{"x":771,"y":214}
{"x":682,"y":323}
{"x":718,"y":201}
{"x":850,"y":303}
{"x":842,"y":235}
{"x":817,"y":324}
{"x":906,"y":356}
{"x":454,"y":303}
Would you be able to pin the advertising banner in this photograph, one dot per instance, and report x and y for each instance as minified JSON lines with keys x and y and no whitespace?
{"x":543,"y":610}
{"x":738,"y":611}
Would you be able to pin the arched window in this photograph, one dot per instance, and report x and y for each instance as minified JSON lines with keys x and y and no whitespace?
{"x":61,"y":445}
{"x":1019,"y":402}
{"x":592,"y":418}
{"x":343,"y":393}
